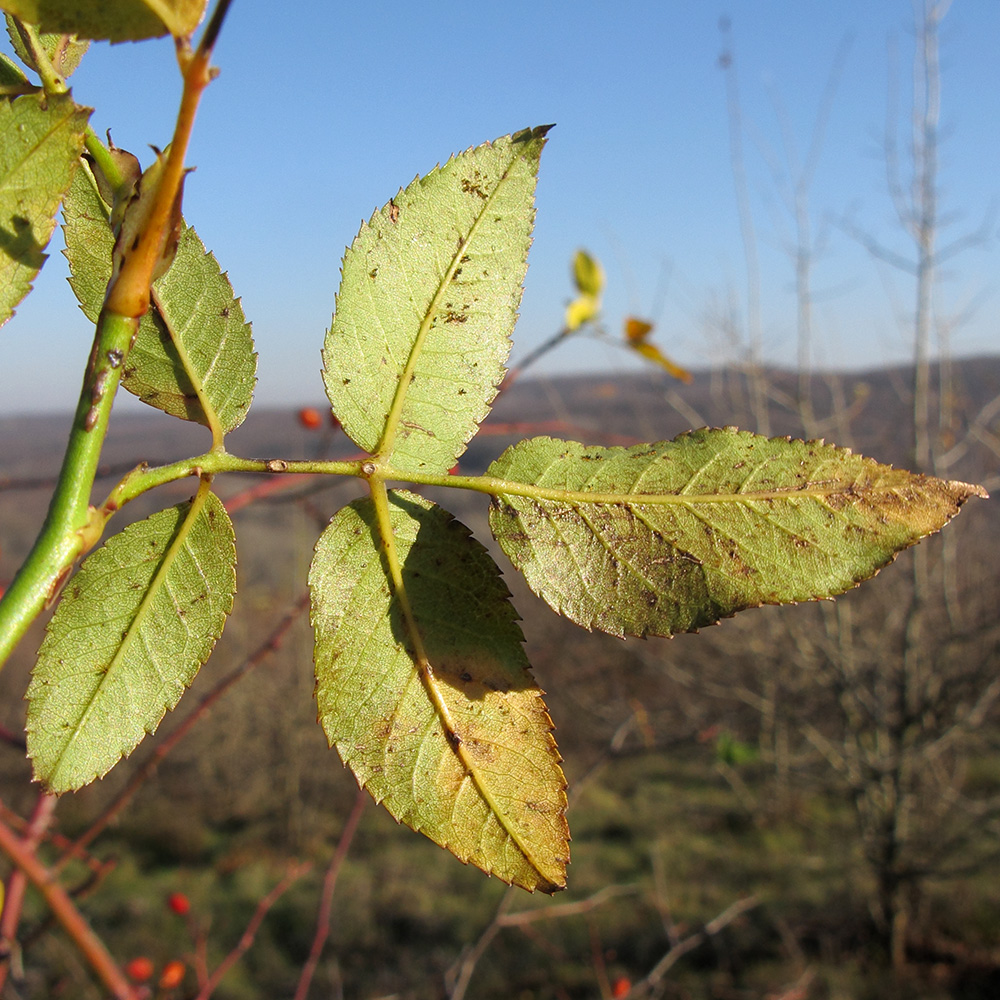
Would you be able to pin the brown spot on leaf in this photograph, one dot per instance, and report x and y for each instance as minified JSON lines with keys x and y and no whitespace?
{"x":480,"y":751}
{"x":473,"y":186}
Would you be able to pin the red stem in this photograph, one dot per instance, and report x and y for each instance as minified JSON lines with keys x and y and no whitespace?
{"x":244,"y":943}
{"x":326,"y":900}
{"x":17,"y":883}
{"x":59,"y":902}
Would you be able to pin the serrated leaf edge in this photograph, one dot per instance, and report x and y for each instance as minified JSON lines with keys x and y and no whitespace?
{"x":425,"y":671}
{"x":957,"y":493}
{"x":384,"y":449}
{"x":197,"y":505}
{"x":51,"y":206}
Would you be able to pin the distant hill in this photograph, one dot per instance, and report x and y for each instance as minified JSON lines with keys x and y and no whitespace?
{"x":868,"y":411}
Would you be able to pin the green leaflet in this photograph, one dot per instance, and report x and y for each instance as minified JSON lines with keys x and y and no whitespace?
{"x":665,"y":538}
{"x":111,"y":20}
{"x":89,"y":242}
{"x":195,"y":301}
{"x":10,"y":72}
{"x":427,"y":303}
{"x":40,"y":143}
{"x":446,"y":727}
{"x":135,"y":625}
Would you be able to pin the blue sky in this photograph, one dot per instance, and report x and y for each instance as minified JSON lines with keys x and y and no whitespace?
{"x":317,"y":119}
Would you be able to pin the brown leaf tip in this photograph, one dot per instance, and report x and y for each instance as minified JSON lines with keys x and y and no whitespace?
{"x":963,"y":491}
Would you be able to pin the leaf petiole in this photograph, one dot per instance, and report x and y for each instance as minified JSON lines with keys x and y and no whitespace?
{"x":52,"y":81}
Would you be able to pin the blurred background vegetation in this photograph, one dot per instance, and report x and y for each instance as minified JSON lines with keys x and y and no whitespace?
{"x":802,"y":803}
{"x":832,"y":770}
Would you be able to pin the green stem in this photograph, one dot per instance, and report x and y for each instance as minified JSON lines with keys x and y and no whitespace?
{"x":52,"y":79}
{"x":102,"y":157}
{"x":142,"y":479}
{"x":69,"y":528}
{"x":72,"y":527}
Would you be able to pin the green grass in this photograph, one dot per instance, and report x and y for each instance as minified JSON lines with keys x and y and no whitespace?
{"x":669,"y":828}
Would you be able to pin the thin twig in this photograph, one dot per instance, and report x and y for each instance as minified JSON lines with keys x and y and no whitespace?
{"x":58,"y":840}
{"x":326,"y":899}
{"x":649,"y":985}
{"x":295,"y":872}
{"x":17,"y":884}
{"x":90,"y":946}
{"x":462,"y":971}
{"x":534,"y":356}
{"x":523,"y":918}
{"x":561,"y":910}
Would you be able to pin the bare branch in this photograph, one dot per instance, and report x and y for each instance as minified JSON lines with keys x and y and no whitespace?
{"x":650,"y":986}
{"x":294,"y":873}
{"x":326,"y":900}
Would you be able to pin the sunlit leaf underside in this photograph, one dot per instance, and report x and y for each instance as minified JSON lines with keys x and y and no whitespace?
{"x":194,"y":306}
{"x":40,"y":143}
{"x":132,"y":630}
{"x":111,"y":20}
{"x":445,"y":727}
{"x":427,"y":303}
{"x":11,"y":74}
{"x":669,"y":537}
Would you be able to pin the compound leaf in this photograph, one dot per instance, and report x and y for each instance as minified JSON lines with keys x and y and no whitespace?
{"x":437,"y":714}
{"x":111,"y":20}
{"x":427,"y":303}
{"x":136,"y":624}
{"x":40,"y":143}
{"x":668,"y":537}
{"x":194,"y":332}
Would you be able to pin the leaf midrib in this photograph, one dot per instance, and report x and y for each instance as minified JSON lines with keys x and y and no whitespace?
{"x":392,"y":421}
{"x":428,"y":681}
{"x":506,"y":487}
{"x":134,"y":629}
{"x":16,"y":168}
